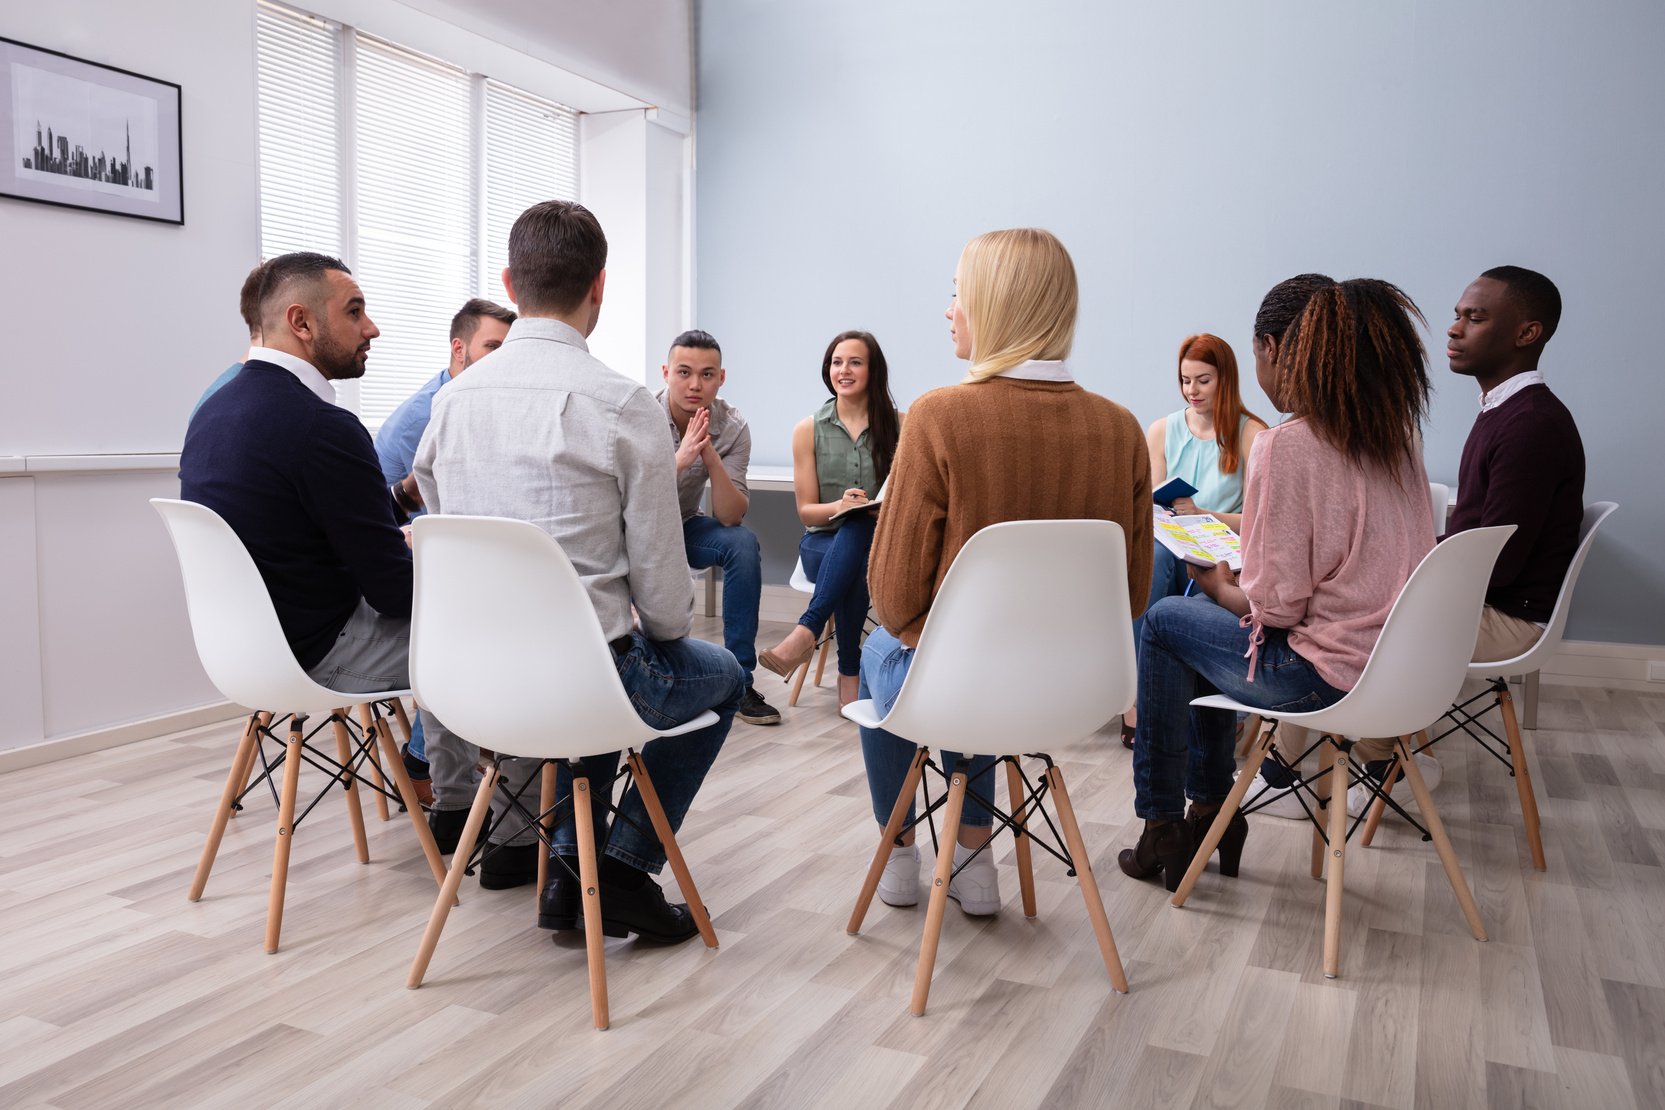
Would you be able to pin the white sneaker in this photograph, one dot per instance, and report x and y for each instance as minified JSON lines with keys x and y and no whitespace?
{"x":899,"y":883}
{"x":977,"y":888}
{"x":1282,"y":805}
{"x":1359,"y":797}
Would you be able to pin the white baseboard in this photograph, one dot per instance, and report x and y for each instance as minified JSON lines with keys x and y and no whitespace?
{"x":1617,"y":666}
{"x":97,"y":740}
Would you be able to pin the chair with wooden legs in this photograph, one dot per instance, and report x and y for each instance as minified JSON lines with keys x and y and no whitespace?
{"x":507,"y":649}
{"x":1417,"y":666}
{"x":242,"y":648}
{"x":1508,"y":749}
{"x":1036,"y":662}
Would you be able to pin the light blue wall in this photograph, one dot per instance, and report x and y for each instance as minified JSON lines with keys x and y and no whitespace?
{"x":1190,"y":156}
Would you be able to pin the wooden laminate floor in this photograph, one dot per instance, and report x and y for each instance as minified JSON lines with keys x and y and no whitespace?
{"x":115,"y":991}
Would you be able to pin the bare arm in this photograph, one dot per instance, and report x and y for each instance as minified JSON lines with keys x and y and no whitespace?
{"x":806,"y":483}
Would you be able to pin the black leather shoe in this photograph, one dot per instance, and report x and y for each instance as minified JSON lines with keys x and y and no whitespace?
{"x":507,"y":866}
{"x":558,"y":905}
{"x":1165,"y":848}
{"x":645,"y":912}
{"x":447,"y":826}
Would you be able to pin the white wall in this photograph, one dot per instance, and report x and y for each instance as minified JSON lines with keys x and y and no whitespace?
{"x":117,"y":325}
{"x":1190,"y":156}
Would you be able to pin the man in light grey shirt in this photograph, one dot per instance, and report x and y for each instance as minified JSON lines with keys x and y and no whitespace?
{"x":713,"y":444}
{"x":541,"y":430}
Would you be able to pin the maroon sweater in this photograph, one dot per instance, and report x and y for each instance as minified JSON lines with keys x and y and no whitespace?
{"x":1523,"y":464}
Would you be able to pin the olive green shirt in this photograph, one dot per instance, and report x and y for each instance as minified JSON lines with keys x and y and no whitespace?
{"x":841,"y":463}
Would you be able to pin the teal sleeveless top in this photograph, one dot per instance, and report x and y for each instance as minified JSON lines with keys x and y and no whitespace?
{"x":841,"y":463}
{"x":1198,"y":462}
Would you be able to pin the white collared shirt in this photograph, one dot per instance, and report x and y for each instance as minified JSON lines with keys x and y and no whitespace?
{"x":1489,"y":401}
{"x":1041,"y":370}
{"x":306,"y":373}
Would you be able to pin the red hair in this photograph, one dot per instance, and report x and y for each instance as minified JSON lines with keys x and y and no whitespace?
{"x":1228,"y":401}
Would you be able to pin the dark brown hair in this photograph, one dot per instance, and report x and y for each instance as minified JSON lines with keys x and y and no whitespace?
{"x":283,"y":278}
{"x":884,"y":427}
{"x":467,"y":320}
{"x":556,"y":249}
{"x":248,"y":300}
{"x":1353,"y":366}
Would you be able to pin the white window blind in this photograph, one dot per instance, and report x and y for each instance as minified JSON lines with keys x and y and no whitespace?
{"x":438,"y":164}
{"x":299,"y":125}
{"x":415,"y":215}
{"x":531,"y":156}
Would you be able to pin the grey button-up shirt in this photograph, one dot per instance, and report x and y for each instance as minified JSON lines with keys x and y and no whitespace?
{"x":731,"y":438}
{"x":541,"y":430}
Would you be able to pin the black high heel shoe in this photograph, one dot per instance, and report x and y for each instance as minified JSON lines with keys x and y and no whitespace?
{"x":1165,"y":846}
{"x":1231,"y":844}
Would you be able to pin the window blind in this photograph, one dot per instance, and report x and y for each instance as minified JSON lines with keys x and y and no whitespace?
{"x":410,"y":169}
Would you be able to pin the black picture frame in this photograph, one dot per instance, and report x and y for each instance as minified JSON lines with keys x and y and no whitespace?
{"x":67,"y":135}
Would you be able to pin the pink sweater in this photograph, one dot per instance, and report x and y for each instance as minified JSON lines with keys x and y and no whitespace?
{"x":1327,"y":546}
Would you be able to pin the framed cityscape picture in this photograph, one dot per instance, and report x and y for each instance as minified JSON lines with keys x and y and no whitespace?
{"x":84,"y":135}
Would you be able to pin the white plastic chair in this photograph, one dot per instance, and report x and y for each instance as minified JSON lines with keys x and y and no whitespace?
{"x":1028,"y":648}
{"x":800,"y":582}
{"x":507,"y":650}
{"x":1497,"y":673}
{"x":242,"y":647}
{"x":1418,"y":665}
{"x":1439,"y":499}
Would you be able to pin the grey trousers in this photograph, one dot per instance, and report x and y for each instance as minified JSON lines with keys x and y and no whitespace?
{"x":373,"y":653}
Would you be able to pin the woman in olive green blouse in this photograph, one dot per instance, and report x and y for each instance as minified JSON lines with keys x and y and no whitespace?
{"x":840,"y":458}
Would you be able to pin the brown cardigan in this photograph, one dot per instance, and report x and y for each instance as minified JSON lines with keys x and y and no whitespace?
{"x":1004,"y":449}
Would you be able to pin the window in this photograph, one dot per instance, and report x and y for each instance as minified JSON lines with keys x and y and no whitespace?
{"x":410,"y":169}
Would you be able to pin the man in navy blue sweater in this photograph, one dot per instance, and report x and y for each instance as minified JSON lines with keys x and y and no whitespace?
{"x":298,"y":480}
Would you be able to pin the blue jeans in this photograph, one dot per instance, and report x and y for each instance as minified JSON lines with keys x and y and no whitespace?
{"x":837,"y":563}
{"x":1168,"y":578}
{"x":668,"y":682}
{"x":734,"y":548}
{"x":884,"y":664}
{"x":1194,"y":647}
{"x":417,"y":747}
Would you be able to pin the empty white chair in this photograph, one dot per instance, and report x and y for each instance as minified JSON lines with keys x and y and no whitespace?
{"x":242,"y":647}
{"x":1497,"y":673}
{"x":1028,"y":648}
{"x":507,"y":650}
{"x":1418,"y":665}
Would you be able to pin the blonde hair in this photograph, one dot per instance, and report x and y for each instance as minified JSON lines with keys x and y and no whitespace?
{"x":1017,"y":289}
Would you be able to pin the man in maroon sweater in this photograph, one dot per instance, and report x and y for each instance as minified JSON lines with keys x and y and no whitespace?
{"x":1523,"y":463}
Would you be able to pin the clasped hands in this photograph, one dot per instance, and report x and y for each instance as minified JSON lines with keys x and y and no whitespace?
{"x":696,"y":441}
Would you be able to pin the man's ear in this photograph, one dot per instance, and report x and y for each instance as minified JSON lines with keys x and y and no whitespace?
{"x":298,"y":319}
{"x":509,"y":286}
{"x":1529,"y":334}
{"x":456,"y":349}
{"x":597,"y":286}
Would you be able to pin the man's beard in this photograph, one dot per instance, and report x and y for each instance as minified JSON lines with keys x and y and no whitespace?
{"x":337,"y":361}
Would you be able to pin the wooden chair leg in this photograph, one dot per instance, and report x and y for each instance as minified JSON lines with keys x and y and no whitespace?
{"x":376,"y":778}
{"x":1251,"y":732}
{"x":673,"y":854}
{"x":349,"y":784}
{"x":1089,"y":885}
{"x":1025,"y":862}
{"x":285,"y":834}
{"x":248,"y":773}
{"x":407,"y":791}
{"x":234,"y":779}
{"x":887,"y":839}
{"x":546,"y":803}
{"x":1222,"y":820}
{"x":1338,"y":859}
{"x":1379,"y":807}
{"x":826,"y":642}
{"x":589,"y":882}
{"x":1523,"y":779}
{"x":452,"y":879}
{"x":798,"y":685}
{"x":1318,"y":844}
{"x":1442,"y":842}
{"x":939,"y":890}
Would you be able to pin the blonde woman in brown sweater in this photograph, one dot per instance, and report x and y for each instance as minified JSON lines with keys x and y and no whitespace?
{"x":1018,"y":439}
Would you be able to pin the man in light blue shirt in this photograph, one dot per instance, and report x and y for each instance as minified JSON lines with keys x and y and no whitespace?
{"x":248,"y":303}
{"x":476,"y":331}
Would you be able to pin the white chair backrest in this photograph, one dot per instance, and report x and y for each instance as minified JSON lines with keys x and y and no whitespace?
{"x":238,"y":637}
{"x":506,"y":648}
{"x":1533,"y":660}
{"x":1439,"y":499}
{"x":1029,"y":642}
{"x":1421,"y":657}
